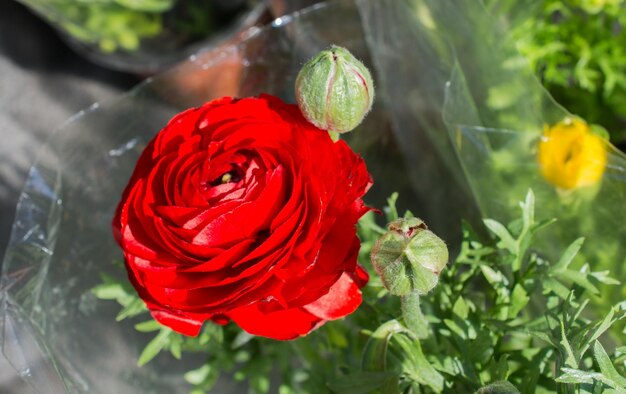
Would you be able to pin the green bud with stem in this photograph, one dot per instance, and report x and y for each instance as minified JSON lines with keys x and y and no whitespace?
{"x":334,"y":90}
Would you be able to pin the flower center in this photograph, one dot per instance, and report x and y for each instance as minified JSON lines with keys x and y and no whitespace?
{"x":232,"y":176}
{"x":226,"y":177}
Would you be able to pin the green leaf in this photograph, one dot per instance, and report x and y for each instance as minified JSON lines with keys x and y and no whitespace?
{"x":286,"y":389}
{"x":621,"y":350}
{"x":197,"y":376}
{"x":573,"y":376}
{"x":578,"y":310}
{"x":391,"y":212}
{"x":565,"y":348}
{"x":506,"y":240}
{"x":501,"y":370}
{"x":598,"y":329}
{"x":211,"y":332}
{"x":154,"y":346}
{"x":542,"y":224}
{"x":519,"y":300}
{"x":416,"y":365}
{"x":579,"y":278}
{"x":362,"y":382}
{"x":456,"y":329}
{"x":156,"y":6}
{"x":241,"y":339}
{"x":367,"y":224}
{"x":110,"y":291}
{"x":460,"y":308}
{"x":501,"y":387}
{"x":606,"y":366}
{"x":544,"y":337}
{"x":494,"y":277}
{"x":148,"y":326}
{"x":135,"y":307}
{"x":576,"y":376}
{"x":528,"y":209}
{"x":480,"y":348}
{"x":259,"y":383}
{"x":176,"y":345}
{"x":556,"y":287}
{"x":375,"y":353}
{"x":568,"y":256}
{"x":603,"y":277}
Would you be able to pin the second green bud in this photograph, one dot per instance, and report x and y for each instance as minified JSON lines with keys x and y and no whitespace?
{"x":409,"y":257}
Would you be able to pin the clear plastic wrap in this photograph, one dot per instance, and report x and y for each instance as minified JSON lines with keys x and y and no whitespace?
{"x":495,"y":111}
{"x":454,"y":131}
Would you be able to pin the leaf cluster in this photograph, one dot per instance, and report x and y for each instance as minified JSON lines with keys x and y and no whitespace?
{"x":227,"y":349}
{"x":111,"y":24}
{"x":122,"y":25}
{"x":504,"y":318}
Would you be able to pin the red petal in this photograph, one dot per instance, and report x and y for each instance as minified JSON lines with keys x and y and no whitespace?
{"x":181,"y":324}
{"x":283,"y":325}
{"x":360,"y":277}
{"x":248,"y":218}
{"x":343,"y":298}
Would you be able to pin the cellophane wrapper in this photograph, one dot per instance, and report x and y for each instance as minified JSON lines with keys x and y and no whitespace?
{"x":454,"y":130}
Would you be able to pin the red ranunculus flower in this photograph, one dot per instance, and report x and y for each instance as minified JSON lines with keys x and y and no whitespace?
{"x":242,"y":210}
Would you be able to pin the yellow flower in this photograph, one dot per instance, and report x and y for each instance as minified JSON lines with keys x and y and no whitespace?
{"x":571,"y":155}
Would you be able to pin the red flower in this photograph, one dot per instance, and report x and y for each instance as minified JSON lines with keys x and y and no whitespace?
{"x":242,"y":210}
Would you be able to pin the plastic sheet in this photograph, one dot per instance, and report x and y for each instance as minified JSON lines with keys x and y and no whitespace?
{"x":454,"y":131}
{"x":495,"y":112}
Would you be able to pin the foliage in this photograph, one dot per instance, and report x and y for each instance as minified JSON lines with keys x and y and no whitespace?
{"x":116,"y":25}
{"x":578,"y":50}
{"x":503,"y":319}
{"x":111,"y":24}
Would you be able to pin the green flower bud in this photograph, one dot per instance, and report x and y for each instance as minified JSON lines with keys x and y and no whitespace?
{"x":409,"y":257}
{"x":334,"y":90}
